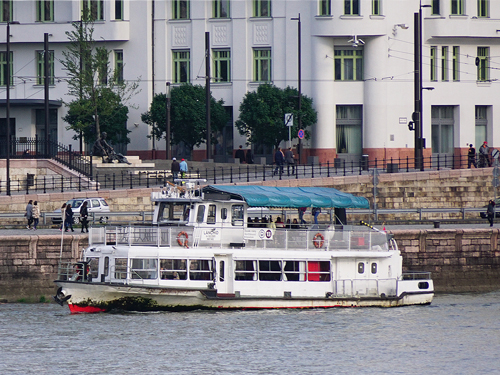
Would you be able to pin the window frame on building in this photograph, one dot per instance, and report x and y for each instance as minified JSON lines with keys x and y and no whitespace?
{"x":436,"y":7}
{"x":483,"y":66}
{"x":442,"y":129}
{"x":181,"y":66}
{"x":119,"y":10}
{"x":456,"y":63}
{"x":102,"y":69}
{"x":445,"y":76}
{"x":6,"y":16}
{"x":433,"y":64}
{"x":457,"y":8}
{"x":262,"y":63}
{"x":119,"y":65}
{"x":96,"y":8}
{"x":181,"y":9}
{"x":221,"y":64}
{"x":221,"y":9}
{"x":261,"y":8}
{"x":44,"y":10}
{"x":325,"y":8}
{"x":351,"y":7}
{"x":3,"y":68}
{"x":376,"y":7}
{"x":40,"y":67}
{"x":483,"y":8}
{"x":349,"y":129}
{"x":343,"y":55}
{"x":481,"y":124}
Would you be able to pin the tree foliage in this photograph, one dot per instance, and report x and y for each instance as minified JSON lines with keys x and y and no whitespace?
{"x":99,"y":90}
{"x":262,"y":114}
{"x":187,"y":116}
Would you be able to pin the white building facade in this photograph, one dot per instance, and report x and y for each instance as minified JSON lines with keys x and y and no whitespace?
{"x":357,"y":59}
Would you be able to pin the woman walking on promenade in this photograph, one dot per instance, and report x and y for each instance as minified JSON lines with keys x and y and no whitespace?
{"x":35,"y":211}
{"x":29,"y":213}
{"x":69,"y":218}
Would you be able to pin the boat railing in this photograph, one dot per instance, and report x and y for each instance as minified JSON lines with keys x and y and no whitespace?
{"x":416,"y":275}
{"x":364,"y":287}
{"x":315,"y":238}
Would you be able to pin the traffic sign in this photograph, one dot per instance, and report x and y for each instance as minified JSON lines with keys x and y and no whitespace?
{"x":495,"y":153}
{"x":288,"y":119}
{"x":301,"y":134}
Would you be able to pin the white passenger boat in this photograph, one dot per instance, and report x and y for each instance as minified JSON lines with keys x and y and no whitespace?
{"x":202,"y":253}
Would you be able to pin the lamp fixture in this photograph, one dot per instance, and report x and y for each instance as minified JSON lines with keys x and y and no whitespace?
{"x":355,"y":41}
{"x":404,"y":26}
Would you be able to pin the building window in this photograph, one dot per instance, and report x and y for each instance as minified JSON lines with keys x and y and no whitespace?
{"x":444,"y":64}
{"x":181,"y":66}
{"x":325,"y":8}
{"x":351,"y":7}
{"x":348,"y":129}
{"x":481,"y":124}
{"x":442,"y":129}
{"x":221,"y":8}
{"x":349,"y":64}
{"x":119,"y":66}
{"x":435,"y":7}
{"x":6,"y":11}
{"x":222,"y":65}
{"x":180,"y":9}
{"x":45,"y":10}
{"x":119,"y":10}
{"x":433,"y":65}
{"x":376,"y":7}
{"x":483,"y":8}
{"x":102,"y":69}
{"x":95,"y":8}
{"x":457,"y":7}
{"x":3,"y":68}
{"x":483,"y":66}
{"x":456,"y":63}
{"x":262,"y":8}
{"x":262,"y":65}
{"x":40,"y":68}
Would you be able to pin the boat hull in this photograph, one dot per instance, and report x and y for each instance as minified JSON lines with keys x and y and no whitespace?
{"x":104,"y":297}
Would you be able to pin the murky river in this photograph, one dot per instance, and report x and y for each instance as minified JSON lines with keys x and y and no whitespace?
{"x":457,"y":334}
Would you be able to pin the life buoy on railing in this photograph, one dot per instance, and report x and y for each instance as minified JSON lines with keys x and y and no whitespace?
{"x":318,"y":240}
{"x":182,"y":239}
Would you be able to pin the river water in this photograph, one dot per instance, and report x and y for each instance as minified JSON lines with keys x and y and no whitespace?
{"x":457,"y":334}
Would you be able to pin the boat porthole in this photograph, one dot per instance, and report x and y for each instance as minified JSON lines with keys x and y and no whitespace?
{"x":423,"y":285}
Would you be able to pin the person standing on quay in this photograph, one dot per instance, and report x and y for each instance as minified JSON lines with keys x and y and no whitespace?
{"x":490,"y":211}
{"x":84,"y":214}
{"x":484,"y":155}
{"x":240,"y":154}
{"x":290,"y":161}
{"x":69,"y":218}
{"x":29,"y":213}
{"x":184,"y":168}
{"x":35,"y":211}
{"x":279,"y":158}
{"x":471,"y":156}
{"x":175,"y":169}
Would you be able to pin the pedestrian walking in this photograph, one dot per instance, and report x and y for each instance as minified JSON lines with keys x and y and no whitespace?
{"x":249,"y":156}
{"x":279,"y":158}
{"x":184,"y":168}
{"x":471,"y":157}
{"x":84,"y":216}
{"x":290,"y":161}
{"x":302,"y":211}
{"x":175,"y":169}
{"x":316,"y":211}
{"x":29,"y":213}
{"x":35,"y":212}
{"x":490,"y":212}
{"x":69,"y":218}
{"x":484,"y":155}
{"x":240,"y":154}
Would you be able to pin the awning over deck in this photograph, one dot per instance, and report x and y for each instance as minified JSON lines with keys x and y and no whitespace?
{"x":291,"y":197}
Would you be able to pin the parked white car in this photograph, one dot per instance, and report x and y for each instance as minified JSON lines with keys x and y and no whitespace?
{"x":96,"y":206}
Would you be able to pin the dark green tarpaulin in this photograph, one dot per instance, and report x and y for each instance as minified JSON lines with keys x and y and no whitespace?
{"x":291,"y":197}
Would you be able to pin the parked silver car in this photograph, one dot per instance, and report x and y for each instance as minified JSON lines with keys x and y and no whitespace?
{"x":97,"y":206}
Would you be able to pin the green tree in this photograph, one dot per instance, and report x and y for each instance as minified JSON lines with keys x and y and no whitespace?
{"x":262,"y":114}
{"x":99,"y":90}
{"x":187,"y":116}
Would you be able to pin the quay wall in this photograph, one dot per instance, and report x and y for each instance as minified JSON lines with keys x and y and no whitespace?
{"x":464,"y":260}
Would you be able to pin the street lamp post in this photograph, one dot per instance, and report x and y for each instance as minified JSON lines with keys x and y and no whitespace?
{"x":7,"y":108}
{"x":299,"y":39}
{"x":167,"y":136}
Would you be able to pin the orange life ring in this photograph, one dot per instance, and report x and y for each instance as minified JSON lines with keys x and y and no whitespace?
{"x":318,"y":240}
{"x":183,"y":241}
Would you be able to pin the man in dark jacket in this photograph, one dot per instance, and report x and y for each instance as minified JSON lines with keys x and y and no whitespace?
{"x":176,"y":168}
{"x":490,"y":211}
{"x":240,"y":154}
{"x":279,"y":158}
{"x":471,"y":156}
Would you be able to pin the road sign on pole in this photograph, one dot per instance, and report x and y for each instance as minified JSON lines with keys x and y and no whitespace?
{"x":289,"y":119}
{"x":300,"y":134}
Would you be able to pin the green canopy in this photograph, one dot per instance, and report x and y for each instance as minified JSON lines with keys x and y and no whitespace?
{"x":290,"y":197}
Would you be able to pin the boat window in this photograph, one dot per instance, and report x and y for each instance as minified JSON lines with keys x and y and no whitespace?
{"x":94,"y":267}
{"x":185,"y":215}
{"x":237,"y":214}
{"x":245,"y":270}
{"x":211,"y":214}
{"x":106,"y":266}
{"x":221,"y":270}
{"x":318,"y":271}
{"x":200,"y":269}
{"x":295,"y":270}
{"x":269,"y":270}
{"x":173,"y":269}
{"x":374,"y":267}
{"x":144,"y":269}
{"x":223,"y":213}
{"x":201,"y":214}
{"x":120,"y":268}
{"x":361,"y":267}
